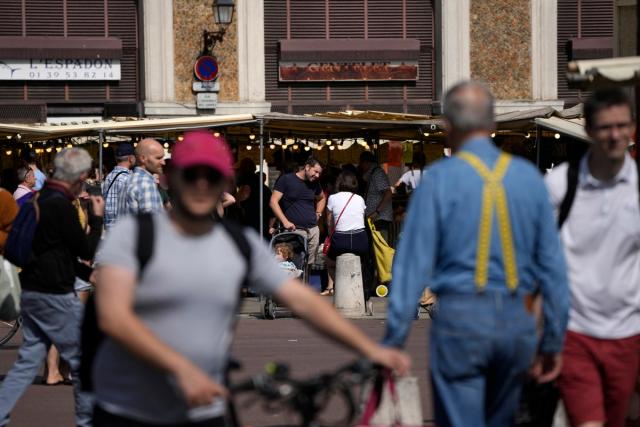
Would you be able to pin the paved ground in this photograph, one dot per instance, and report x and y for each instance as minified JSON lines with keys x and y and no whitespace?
{"x":257,"y":342}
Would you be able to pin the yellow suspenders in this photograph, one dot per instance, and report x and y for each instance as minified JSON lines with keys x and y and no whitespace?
{"x":493,"y":194}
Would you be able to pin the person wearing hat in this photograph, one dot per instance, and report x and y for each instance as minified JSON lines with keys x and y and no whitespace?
{"x":116,"y":182}
{"x":148,"y":371}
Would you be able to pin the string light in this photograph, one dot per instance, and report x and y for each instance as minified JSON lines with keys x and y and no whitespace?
{"x":105,"y":145}
{"x":8,"y":152}
{"x":556,"y":136}
{"x":272,"y":146}
{"x":333,"y":147}
{"x":48,"y":149}
{"x":135,"y":144}
{"x":166,"y":145}
{"x":58,"y":149}
{"x":307,"y":148}
{"x":180,"y":138}
{"x":426,"y":134}
{"x":295,"y":146}
{"x":249,"y":147}
{"x":216,"y":134}
{"x":69,"y":145}
{"x":493,"y":135}
{"x":527,"y":135}
{"x":328,"y":142}
{"x":252,"y":137}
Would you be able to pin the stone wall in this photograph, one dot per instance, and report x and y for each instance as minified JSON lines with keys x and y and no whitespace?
{"x":190,"y":18}
{"x":500,"y":46}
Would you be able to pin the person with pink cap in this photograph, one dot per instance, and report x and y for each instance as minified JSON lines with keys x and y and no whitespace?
{"x":148,"y":371}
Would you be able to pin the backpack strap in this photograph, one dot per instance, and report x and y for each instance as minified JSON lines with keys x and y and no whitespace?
{"x":145,"y":241}
{"x":572,"y":187}
{"x":237,"y":234}
{"x":113,"y":181}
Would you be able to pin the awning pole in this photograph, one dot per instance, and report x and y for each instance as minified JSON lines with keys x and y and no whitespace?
{"x":538,"y":146}
{"x":261,"y":183}
{"x":100,"y":143}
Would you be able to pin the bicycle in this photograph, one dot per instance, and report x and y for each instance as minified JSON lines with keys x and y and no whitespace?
{"x":8,"y":329}
{"x":307,"y":398}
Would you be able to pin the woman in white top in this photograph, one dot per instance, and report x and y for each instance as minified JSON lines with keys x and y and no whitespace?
{"x":350,"y":235}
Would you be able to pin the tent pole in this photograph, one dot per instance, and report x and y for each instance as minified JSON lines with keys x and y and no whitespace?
{"x":100,"y":143}
{"x":261,"y":183}
{"x":538,"y":146}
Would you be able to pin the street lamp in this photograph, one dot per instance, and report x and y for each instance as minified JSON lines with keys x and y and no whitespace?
{"x":222,"y":15}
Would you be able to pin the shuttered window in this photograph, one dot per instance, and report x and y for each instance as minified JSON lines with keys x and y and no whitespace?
{"x":579,"y":19}
{"x":75,"y":18}
{"x":355,"y":19}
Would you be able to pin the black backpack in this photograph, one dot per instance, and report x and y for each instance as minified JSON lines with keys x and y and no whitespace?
{"x":91,"y":336}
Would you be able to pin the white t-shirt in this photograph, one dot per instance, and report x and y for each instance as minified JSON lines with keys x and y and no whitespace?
{"x":353,"y":216}
{"x":411,"y":179}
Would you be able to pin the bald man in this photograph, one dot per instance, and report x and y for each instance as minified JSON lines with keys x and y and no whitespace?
{"x":141,"y":194}
{"x":481,"y":232}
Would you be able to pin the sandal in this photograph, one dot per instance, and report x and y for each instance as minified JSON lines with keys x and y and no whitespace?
{"x":327,"y":292}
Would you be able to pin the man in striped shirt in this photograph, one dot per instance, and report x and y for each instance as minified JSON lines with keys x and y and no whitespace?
{"x":116,"y":182}
{"x":141,"y":194}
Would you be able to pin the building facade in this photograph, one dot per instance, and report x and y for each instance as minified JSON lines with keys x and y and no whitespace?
{"x":296,"y":56}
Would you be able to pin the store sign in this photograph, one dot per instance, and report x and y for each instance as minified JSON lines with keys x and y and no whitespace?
{"x":207,"y":101}
{"x":60,"y":69}
{"x":347,"y":71}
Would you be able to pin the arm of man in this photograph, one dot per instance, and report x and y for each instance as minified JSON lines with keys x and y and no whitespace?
{"x":321,"y":204}
{"x":319,"y":314}
{"x":277,"y":211}
{"x":554,"y":287}
{"x":114,"y":303}
{"x":411,"y":273}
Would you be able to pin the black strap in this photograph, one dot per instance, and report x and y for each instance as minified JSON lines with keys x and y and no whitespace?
{"x":572,"y":187}
{"x":145,"y":241}
{"x":237,"y":234}
{"x":113,"y":182}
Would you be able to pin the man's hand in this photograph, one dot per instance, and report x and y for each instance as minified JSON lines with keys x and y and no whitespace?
{"x":288,"y":225}
{"x":546,"y":367}
{"x":373,"y":215}
{"x":197,"y":387}
{"x":396,"y":360}
{"x":97,"y":203}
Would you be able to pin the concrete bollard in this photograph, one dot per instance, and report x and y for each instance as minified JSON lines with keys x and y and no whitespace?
{"x":348,"y":291}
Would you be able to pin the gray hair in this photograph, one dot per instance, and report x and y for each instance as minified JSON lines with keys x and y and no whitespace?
{"x":23,"y":171}
{"x":468,"y":106}
{"x":70,"y":164}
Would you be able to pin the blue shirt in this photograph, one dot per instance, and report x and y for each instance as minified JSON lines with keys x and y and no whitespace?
{"x":141,"y":194}
{"x":439,"y":240}
{"x":40,"y":179}
{"x":114,"y":185}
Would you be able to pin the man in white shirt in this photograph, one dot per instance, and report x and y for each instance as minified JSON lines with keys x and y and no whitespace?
{"x":601,"y":238}
{"x":411,"y":178}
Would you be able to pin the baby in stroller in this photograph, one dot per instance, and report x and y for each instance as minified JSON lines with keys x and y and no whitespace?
{"x":284,"y":254}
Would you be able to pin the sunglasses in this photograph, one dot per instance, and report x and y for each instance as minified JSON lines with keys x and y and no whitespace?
{"x":192,"y":175}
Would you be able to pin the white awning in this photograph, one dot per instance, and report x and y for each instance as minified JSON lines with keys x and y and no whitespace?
{"x":625,"y":70}
{"x":570,"y":127}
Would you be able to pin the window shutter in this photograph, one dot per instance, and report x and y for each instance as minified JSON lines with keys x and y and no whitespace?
{"x":578,"y":19}
{"x":347,"y":20}
{"x":10,"y":15}
{"x":123,"y":23}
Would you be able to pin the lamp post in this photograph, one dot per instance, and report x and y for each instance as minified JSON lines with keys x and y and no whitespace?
{"x":223,"y":16}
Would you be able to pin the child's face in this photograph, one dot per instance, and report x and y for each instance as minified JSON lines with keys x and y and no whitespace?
{"x":280,"y":254}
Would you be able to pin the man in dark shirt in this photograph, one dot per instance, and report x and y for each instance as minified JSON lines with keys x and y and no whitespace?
{"x":51,"y":311}
{"x":298,"y":202}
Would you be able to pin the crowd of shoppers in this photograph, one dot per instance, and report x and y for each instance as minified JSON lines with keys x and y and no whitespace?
{"x":482,"y":222}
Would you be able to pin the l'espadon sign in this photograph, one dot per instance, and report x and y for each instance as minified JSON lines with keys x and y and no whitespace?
{"x":94,"y":69}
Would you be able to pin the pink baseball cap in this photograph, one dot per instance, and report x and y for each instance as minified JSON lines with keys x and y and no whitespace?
{"x":201,"y":148}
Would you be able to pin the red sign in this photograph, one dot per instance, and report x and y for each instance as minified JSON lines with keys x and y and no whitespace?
{"x":351,"y":71}
{"x":206,"y":68}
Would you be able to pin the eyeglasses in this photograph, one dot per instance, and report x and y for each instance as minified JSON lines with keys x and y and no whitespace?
{"x":192,"y":175}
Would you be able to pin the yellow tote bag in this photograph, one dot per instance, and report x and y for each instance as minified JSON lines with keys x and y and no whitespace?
{"x":382,"y":252}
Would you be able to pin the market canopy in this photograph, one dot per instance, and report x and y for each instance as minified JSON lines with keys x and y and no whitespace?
{"x":571,"y":127}
{"x":595,"y":72}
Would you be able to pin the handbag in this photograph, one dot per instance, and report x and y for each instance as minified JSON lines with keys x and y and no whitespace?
{"x":327,"y":240}
{"x":383,"y":254}
{"x":9,"y":291}
{"x":396,"y":405}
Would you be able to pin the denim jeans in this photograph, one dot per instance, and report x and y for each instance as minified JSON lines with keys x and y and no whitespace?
{"x":481,"y":347}
{"x":46,"y":319}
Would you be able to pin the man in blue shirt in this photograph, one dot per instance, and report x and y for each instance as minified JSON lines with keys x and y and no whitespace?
{"x":481,"y":233}
{"x":116,"y":182}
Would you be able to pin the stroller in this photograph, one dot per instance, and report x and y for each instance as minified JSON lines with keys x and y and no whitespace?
{"x":300,"y":246}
